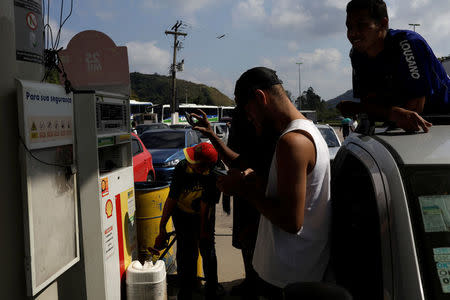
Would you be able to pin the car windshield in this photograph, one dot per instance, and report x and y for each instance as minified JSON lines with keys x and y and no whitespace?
{"x":180,"y":126}
{"x":164,"y":139}
{"x":142,"y":128}
{"x":329,"y":137}
{"x":428,"y":191}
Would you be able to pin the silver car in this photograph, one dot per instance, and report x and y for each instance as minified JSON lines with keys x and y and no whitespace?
{"x":330,"y":138}
{"x":217,"y":128}
{"x":222,"y":130}
{"x":391,"y":215}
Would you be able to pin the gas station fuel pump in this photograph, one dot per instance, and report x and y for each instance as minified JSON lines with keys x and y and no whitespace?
{"x":106,"y":190}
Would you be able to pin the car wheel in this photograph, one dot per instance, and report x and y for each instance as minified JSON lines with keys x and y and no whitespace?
{"x":150,"y":177}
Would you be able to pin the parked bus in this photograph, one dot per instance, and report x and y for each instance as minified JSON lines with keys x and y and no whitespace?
{"x":162,"y":112}
{"x":225,"y":113}
{"x":212,"y":111}
{"x":138,"y":107}
{"x":142,"y":112}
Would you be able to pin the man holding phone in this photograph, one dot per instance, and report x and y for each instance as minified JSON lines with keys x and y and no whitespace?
{"x":292,"y":242}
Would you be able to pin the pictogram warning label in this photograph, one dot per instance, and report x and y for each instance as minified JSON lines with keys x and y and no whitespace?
{"x":48,"y":129}
{"x":32,"y":21}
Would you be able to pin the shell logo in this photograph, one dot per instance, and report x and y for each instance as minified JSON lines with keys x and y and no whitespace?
{"x":109,"y":208}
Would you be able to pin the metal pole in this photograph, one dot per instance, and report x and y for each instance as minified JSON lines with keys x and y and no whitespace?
{"x":174,"y":74}
{"x":176,"y":33}
{"x":299,"y":84}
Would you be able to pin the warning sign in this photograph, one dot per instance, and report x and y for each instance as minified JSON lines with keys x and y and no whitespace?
{"x":32,"y":21}
{"x":29,"y":28}
{"x":43,"y":106}
{"x":50,"y":129}
{"x":109,"y":241}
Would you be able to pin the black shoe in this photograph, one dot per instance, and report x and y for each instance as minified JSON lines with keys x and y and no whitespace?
{"x":247,"y":289}
{"x":214,"y":292}
{"x":184,"y":294}
{"x":243,"y":288}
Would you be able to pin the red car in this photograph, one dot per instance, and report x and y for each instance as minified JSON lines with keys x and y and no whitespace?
{"x":142,"y":161}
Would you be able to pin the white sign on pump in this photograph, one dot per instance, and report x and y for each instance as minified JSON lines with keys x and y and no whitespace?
{"x":45,"y":119}
{"x":48,"y":114}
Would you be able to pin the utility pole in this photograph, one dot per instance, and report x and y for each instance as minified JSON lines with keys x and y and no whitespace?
{"x":173,"y":67}
{"x":299,"y":85}
{"x":414,"y":26}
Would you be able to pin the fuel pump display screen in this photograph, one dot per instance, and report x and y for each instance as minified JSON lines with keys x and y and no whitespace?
{"x":111,"y":112}
{"x":111,"y":117}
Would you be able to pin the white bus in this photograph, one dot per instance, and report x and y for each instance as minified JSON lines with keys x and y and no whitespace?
{"x":226,"y":112}
{"x":138,"y":107}
{"x":213,"y":112}
{"x":142,"y":112}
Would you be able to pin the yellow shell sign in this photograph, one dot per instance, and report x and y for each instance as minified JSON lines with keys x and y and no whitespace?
{"x":109,"y":208}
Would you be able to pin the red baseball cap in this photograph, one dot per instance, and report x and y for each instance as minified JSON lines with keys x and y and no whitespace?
{"x":201,"y":153}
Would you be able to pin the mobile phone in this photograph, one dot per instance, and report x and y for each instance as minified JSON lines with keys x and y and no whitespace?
{"x":219,"y":172}
{"x":190,"y":120}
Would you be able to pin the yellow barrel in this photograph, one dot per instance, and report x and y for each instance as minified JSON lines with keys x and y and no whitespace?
{"x":150,"y":200}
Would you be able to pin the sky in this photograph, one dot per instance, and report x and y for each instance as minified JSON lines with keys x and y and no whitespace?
{"x":274,"y":33}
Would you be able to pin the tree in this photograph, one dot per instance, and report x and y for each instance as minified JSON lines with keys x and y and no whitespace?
{"x":309,"y":100}
{"x":289,"y":95}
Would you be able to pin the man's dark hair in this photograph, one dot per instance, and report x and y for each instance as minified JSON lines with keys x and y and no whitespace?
{"x":377,"y":8}
{"x":253,"y":79}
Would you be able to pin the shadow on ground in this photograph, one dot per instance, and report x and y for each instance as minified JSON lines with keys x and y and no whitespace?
{"x":172,"y":289}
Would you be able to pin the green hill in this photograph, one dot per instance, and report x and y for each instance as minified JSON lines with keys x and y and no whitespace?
{"x":157,"y":89}
{"x":348,"y":95}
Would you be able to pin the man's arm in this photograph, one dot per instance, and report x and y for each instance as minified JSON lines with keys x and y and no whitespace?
{"x":416,"y":104}
{"x":405,"y":118}
{"x":204,"y":220}
{"x":295,"y":156}
{"x":169,"y":207}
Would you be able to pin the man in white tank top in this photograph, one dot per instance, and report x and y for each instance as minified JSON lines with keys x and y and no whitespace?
{"x":292,"y":243}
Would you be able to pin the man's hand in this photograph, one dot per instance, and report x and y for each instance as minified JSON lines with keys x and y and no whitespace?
{"x":233,"y":183}
{"x":202,"y":124}
{"x":408,"y":120}
{"x":161,"y":240}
